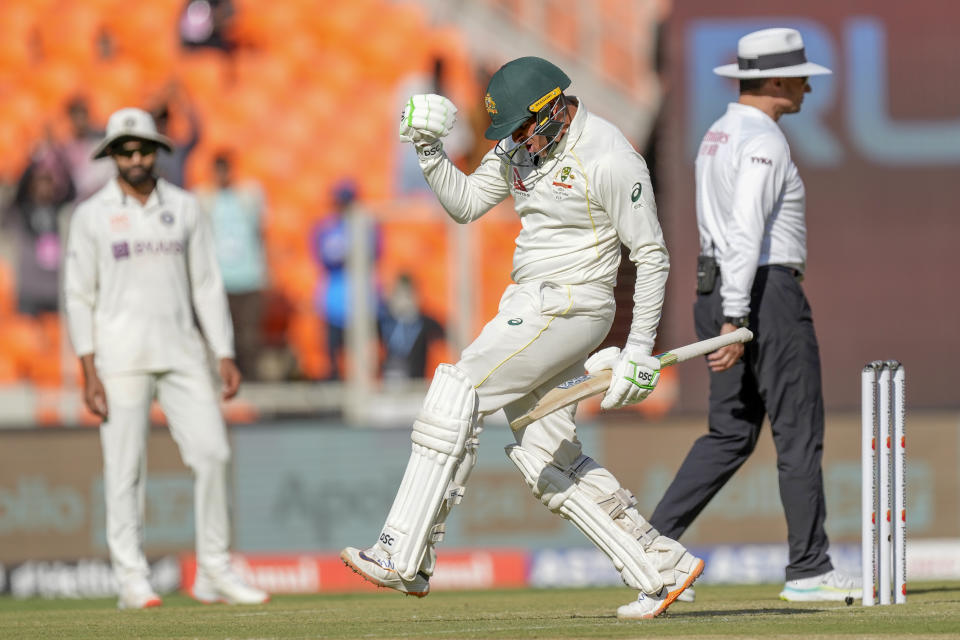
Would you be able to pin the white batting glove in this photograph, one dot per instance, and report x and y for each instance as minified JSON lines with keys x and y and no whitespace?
{"x":635,"y":374}
{"x":425,"y":119}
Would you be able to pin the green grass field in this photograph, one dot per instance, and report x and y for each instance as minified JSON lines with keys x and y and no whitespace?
{"x":933,"y":610}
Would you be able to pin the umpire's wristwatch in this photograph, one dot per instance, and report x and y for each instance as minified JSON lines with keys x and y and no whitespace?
{"x":742,"y":321}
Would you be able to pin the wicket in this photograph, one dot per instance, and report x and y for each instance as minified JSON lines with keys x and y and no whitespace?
{"x":883,"y":540}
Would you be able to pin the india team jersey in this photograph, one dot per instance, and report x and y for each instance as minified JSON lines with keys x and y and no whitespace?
{"x":134,"y":275}
{"x":576,"y":207}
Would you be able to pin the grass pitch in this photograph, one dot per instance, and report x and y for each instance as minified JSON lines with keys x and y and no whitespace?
{"x":932,"y":611}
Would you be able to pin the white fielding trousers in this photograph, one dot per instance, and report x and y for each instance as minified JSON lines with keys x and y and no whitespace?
{"x":190,"y":402}
{"x":541,"y":335}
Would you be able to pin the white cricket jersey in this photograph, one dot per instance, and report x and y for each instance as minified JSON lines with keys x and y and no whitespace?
{"x":134,"y":276}
{"x":586,"y":197}
{"x":750,"y":202}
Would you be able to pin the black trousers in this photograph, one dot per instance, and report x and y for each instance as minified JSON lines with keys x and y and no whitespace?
{"x":778,"y":376}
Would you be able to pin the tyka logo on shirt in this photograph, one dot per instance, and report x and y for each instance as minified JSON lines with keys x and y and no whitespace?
{"x":759,"y":160}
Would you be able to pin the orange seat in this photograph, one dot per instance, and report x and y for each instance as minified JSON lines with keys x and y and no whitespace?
{"x":70,"y":34}
{"x":8,"y":369}
{"x":21,"y":339}
{"x":114,"y":84}
{"x":203,"y":73}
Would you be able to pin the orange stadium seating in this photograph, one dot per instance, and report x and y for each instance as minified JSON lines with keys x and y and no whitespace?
{"x":306,"y":100}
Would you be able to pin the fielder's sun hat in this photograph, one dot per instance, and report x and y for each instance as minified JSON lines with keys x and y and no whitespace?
{"x":771,"y":53}
{"x":518,"y":90}
{"x":130,"y":122}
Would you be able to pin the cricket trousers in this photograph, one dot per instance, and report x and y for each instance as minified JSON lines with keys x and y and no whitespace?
{"x":190,"y":403}
{"x":540,"y":337}
{"x":779,"y":377}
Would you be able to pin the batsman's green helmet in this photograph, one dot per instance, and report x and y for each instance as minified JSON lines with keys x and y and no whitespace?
{"x":518,"y":90}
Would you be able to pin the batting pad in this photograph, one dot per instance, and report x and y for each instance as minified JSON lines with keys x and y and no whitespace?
{"x":604,"y":517}
{"x":440,"y":434}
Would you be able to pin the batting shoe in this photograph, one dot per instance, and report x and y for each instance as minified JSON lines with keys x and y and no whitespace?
{"x":650,"y":606}
{"x":375,"y":566}
{"x":137,"y":594}
{"x":829,"y":586}
{"x":227,"y":587}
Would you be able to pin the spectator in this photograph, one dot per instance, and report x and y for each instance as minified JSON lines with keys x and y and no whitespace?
{"x":88,"y":174}
{"x":407,"y":333}
{"x":206,"y":23}
{"x":171,"y":165}
{"x":35,"y":217}
{"x":236,"y":211}
{"x":331,"y":247}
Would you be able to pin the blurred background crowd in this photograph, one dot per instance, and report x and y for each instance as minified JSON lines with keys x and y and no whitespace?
{"x":284,"y":120}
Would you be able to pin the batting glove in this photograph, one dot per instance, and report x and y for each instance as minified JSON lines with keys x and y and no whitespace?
{"x":426,"y":118}
{"x":635,"y":374}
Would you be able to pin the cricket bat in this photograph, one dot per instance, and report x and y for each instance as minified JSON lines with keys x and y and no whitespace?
{"x":576,"y":389}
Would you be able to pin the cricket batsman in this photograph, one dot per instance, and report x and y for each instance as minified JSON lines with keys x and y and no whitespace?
{"x":140,"y":263}
{"x":580,"y":190}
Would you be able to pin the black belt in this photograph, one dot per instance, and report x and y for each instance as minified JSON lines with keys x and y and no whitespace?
{"x":796,"y":273}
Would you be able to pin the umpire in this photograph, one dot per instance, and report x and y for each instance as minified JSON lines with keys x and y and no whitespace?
{"x":750,"y":215}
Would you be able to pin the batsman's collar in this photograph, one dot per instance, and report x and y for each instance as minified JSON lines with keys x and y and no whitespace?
{"x":771,"y":53}
{"x":130,"y":122}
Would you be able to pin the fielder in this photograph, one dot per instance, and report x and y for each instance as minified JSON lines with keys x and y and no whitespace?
{"x":140,"y":261}
{"x":580,"y":190}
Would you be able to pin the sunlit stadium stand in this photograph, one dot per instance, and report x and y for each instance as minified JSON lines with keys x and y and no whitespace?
{"x":306,"y":98}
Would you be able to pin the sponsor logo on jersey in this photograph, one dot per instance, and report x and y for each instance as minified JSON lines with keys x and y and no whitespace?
{"x":637,"y":191}
{"x":121,"y":250}
{"x":514,"y":321}
{"x":716,"y":136}
{"x":760,"y":160}
{"x":518,"y":181}
{"x":120,"y":222}
{"x":167,"y":218}
{"x":157,"y":247}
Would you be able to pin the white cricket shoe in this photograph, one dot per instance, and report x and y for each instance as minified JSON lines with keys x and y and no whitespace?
{"x":227,"y":587}
{"x":137,"y":594}
{"x":375,"y":566}
{"x":650,"y":606}
{"x":832,"y":585}
{"x":645,"y":606}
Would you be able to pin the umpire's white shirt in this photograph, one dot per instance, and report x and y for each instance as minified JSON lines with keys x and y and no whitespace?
{"x":589,"y":195}
{"x":134,"y":276}
{"x":750,"y":202}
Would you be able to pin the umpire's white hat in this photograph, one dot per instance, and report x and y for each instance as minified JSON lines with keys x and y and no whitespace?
{"x":771,"y":53}
{"x":130,"y":122}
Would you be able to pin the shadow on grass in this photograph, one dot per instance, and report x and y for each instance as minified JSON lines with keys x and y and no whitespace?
{"x":911,"y":592}
{"x":740,"y":612}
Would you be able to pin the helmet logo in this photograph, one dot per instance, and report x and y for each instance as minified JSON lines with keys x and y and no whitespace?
{"x":542,"y":102}
{"x":490,"y":105}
